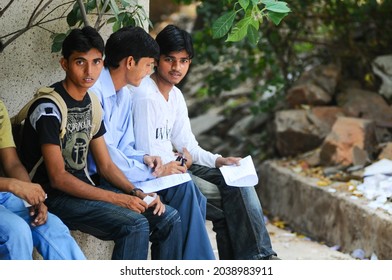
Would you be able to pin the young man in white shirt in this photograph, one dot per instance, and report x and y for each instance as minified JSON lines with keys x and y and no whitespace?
{"x":161,"y":122}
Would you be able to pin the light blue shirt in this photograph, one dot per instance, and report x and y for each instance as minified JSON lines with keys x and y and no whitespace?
{"x":119,"y":136}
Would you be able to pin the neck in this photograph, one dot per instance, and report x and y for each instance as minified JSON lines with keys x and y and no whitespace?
{"x":75,"y":92}
{"x":118,"y":79}
{"x":163,"y":86}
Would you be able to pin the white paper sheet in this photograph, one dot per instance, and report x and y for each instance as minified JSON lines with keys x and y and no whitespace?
{"x":162,"y":183}
{"x":243,"y":175}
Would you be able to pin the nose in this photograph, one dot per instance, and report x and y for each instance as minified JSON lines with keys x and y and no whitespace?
{"x":175,"y":64}
{"x":88,"y":68}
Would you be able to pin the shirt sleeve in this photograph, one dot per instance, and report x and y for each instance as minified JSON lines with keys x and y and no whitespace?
{"x":45,"y":119}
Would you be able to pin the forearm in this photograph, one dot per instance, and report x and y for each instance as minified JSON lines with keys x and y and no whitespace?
{"x":116,"y":177}
{"x":18,"y":171}
{"x":71,"y":185}
{"x":7,"y":185}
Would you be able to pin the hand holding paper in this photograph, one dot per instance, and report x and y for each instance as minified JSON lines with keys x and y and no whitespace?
{"x":243,"y":175}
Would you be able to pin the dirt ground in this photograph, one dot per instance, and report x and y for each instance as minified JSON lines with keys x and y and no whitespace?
{"x":290,"y":246}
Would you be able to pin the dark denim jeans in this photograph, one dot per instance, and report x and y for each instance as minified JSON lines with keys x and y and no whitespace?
{"x":130,"y":231}
{"x":237,"y":218}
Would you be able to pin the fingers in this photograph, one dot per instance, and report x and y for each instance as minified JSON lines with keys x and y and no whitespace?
{"x":39,"y":214}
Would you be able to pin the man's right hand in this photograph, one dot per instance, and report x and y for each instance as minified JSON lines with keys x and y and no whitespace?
{"x":30,"y":192}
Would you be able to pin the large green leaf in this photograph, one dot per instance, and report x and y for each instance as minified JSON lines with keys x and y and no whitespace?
{"x":223,"y":24}
{"x":239,"y":31}
{"x":277,"y":6}
{"x":72,"y":18}
{"x":253,"y":35}
{"x":276,"y":18}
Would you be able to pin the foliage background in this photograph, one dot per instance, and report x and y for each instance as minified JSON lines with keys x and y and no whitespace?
{"x":350,"y":33}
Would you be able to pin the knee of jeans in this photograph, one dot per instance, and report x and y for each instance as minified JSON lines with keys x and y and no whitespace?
{"x":172,"y":216}
{"x":20,"y":230}
{"x":141,"y":224}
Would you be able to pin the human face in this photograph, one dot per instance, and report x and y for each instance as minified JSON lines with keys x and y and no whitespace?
{"x":173,"y":68}
{"x":82,"y":70}
{"x":137,"y":71}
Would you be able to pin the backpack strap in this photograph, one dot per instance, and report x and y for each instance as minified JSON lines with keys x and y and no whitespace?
{"x":97,"y":113}
{"x":49,"y":93}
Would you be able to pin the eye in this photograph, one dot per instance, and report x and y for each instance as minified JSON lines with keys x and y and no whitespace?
{"x":97,"y":61}
{"x":79,"y":62}
{"x":169,"y":59}
{"x":184,"y":60}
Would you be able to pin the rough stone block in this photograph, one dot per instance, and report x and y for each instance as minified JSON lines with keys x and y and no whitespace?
{"x":331,"y":217}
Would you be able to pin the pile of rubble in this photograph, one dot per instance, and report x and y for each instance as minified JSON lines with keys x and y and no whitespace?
{"x":327,"y":126}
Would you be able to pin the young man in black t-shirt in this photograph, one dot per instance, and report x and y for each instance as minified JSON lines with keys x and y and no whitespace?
{"x":110,"y":212}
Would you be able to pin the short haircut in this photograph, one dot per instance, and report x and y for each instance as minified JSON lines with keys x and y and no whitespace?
{"x":129,"y":41}
{"x":82,"y":40}
{"x":172,"y":39}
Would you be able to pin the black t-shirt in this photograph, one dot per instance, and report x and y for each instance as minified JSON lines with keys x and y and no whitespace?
{"x":43,"y":127}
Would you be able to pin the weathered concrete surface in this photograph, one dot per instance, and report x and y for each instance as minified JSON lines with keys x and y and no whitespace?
{"x":333,"y":218}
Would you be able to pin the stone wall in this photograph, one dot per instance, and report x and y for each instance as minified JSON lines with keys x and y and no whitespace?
{"x":28,"y":63}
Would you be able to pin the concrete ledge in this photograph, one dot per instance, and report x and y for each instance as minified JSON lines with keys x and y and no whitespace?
{"x":96,"y":249}
{"x":334,"y":218}
{"x":92,"y":247}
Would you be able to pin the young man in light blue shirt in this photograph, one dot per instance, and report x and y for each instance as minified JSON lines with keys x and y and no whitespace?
{"x":129,"y":56}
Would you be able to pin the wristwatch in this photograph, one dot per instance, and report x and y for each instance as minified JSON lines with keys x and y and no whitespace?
{"x":133,"y":191}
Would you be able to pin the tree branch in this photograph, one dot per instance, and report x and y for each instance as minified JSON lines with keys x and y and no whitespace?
{"x":2,"y":11}
{"x":83,"y":12}
{"x":100,"y":13}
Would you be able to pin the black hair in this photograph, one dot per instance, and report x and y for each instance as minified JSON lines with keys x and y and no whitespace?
{"x":129,"y":41}
{"x":82,"y":40}
{"x":172,"y":39}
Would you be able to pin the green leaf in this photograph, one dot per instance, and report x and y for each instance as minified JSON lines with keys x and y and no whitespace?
{"x":56,"y":47}
{"x":276,"y":18}
{"x":223,"y":24}
{"x":116,"y":26}
{"x":72,"y":18}
{"x":58,"y":39}
{"x":111,"y":20}
{"x":244,"y":3}
{"x":239,"y":31}
{"x":278,"y":7}
{"x":253,"y":35}
{"x":90,"y":5}
{"x":255,"y":2}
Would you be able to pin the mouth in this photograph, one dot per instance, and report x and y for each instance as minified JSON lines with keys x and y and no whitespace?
{"x":88,"y":80}
{"x":175,"y":74}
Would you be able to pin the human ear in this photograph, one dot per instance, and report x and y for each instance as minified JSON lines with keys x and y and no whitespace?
{"x":64,"y":63}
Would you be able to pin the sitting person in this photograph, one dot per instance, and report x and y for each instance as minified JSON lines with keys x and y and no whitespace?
{"x":23,"y":228}
{"x":113,"y":211}
{"x":161,"y":122}
{"x":129,"y":56}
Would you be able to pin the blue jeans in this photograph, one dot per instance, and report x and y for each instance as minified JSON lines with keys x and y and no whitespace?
{"x":237,"y":218}
{"x":191,"y":204}
{"x":130,"y":231}
{"x":17,"y":237}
